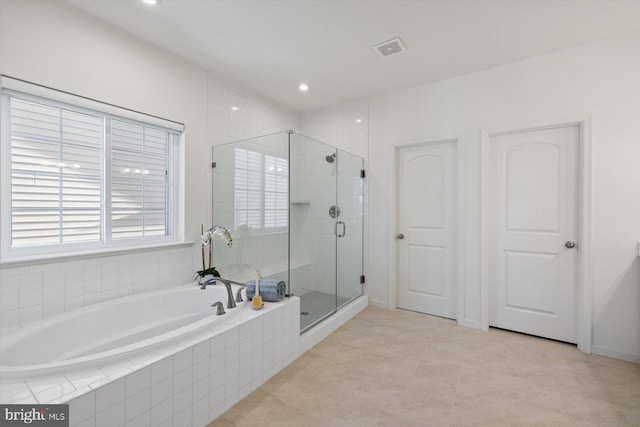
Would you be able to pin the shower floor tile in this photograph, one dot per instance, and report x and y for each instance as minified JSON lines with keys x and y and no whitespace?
{"x":315,"y":305}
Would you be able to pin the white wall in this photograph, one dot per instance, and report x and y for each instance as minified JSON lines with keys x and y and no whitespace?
{"x":53,"y":44}
{"x":346,"y":127}
{"x":601,"y":80}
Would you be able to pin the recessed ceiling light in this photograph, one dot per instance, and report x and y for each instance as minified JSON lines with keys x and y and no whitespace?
{"x":303,"y":87}
{"x":150,"y":1}
{"x":235,"y":108}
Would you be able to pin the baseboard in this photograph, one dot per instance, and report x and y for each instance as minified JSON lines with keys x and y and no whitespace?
{"x":615,"y":353}
{"x":475,"y":324}
{"x":330,"y":324}
{"x":380,"y":304}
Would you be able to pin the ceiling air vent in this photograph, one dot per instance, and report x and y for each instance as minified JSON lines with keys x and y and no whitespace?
{"x":390,"y":47}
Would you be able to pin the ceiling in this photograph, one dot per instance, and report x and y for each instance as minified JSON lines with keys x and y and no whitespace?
{"x":273,"y":45}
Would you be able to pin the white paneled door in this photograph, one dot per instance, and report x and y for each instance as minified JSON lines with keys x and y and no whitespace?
{"x":533,"y":232}
{"x":427,"y":229}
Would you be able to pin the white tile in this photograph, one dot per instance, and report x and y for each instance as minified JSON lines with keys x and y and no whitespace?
{"x":73,"y":303}
{"x":124,"y":291}
{"x":112,"y":417}
{"x":110,"y":395}
{"x":182,"y":360}
{"x":200,"y":408}
{"x":183,"y":418}
{"x":217,"y":343}
{"x":55,"y":392}
{"x":9,"y":319}
{"x":31,"y":296}
{"x":232,"y":370}
{"x":38,"y":385}
{"x":161,"y":391}
{"x":182,"y":379}
{"x":11,"y":392}
{"x":82,"y":408}
{"x":54,"y":278}
{"x":232,"y":352}
{"x":245,"y":346}
{"x":167,"y":423}
{"x":161,"y":370}
{"x":162,"y":412}
{"x":92,"y":298}
{"x":116,"y":368}
{"x":244,"y":331}
{"x":9,"y":284}
{"x":31,"y":281}
{"x":217,"y":361}
{"x":90,"y":422}
{"x":137,"y":382}
{"x":203,"y":421}
{"x":10,"y":301}
{"x":182,"y":400}
{"x":85,"y":378}
{"x":51,"y":308}
{"x":232,"y":336}
{"x":201,"y":388}
{"x":201,"y":369}
{"x":137,"y":405}
{"x":73,"y":289}
{"x":31,"y":314}
{"x":200,"y":351}
{"x":142,"y":420}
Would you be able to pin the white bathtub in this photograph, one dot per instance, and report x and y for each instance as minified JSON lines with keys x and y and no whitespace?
{"x":104,"y":333}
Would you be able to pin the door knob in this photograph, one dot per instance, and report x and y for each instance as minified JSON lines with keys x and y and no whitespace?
{"x":569,"y":245}
{"x":400,"y":236}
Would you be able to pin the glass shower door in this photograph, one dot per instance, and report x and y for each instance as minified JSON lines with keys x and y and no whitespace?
{"x":350,"y":196}
{"x":312,"y":237}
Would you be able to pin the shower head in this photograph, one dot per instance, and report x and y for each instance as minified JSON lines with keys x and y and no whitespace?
{"x":331,"y":158}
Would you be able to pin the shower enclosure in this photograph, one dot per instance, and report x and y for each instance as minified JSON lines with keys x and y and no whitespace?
{"x":294,"y":206}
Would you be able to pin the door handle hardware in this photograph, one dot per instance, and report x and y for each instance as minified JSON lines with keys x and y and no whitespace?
{"x":344,"y":229}
{"x":400,"y":236}
{"x":569,"y":245}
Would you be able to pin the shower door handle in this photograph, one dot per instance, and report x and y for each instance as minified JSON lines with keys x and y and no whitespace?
{"x":344,"y":229}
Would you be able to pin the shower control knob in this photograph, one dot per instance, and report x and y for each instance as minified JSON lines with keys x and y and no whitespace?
{"x":569,"y":245}
{"x":400,"y":236}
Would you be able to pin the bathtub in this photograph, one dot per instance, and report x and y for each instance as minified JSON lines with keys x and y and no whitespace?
{"x":107,"y":332}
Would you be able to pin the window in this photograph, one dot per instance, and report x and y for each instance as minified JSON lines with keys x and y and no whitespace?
{"x":79,"y":174}
{"x":261,"y":191}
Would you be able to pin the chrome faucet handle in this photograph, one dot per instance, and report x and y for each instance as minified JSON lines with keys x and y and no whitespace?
{"x":220,"y":307}
{"x":239,"y":295}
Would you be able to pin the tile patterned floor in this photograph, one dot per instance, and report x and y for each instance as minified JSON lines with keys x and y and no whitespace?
{"x":398,"y":368}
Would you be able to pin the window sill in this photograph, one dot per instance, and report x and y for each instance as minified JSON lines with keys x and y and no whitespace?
{"x":73,"y":256}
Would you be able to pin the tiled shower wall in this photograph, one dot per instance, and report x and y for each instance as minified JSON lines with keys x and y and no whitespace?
{"x":237,"y":114}
{"x":345,"y":126}
{"x":34,"y":292}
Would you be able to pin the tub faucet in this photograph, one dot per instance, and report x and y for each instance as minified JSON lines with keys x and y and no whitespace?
{"x":220,"y":310}
{"x":227,"y":284}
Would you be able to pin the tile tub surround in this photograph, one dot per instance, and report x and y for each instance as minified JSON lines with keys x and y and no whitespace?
{"x":38,"y":291}
{"x":197,"y":382}
{"x":400,"y":368}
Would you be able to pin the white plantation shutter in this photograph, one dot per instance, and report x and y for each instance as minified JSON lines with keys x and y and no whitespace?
{"x":138,"y":180}
{"x":56,"y":175}
{"x":261,"y":190}
{"x":80,"y":174}
{"x":276,"y":190}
